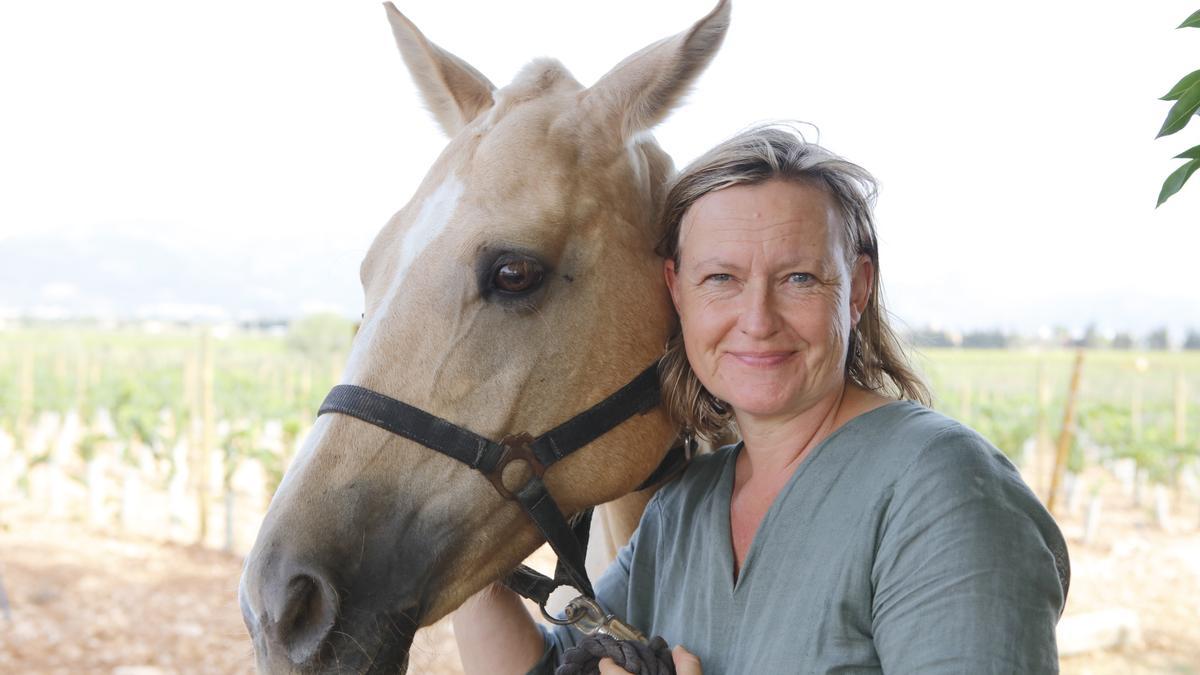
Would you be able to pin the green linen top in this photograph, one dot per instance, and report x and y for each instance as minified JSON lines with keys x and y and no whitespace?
{"x":904,"y":543}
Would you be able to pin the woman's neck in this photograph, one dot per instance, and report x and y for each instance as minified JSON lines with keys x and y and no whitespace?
{"x":773,"y":447}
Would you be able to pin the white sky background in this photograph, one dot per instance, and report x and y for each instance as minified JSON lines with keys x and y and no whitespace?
{"x":1014,"y":141}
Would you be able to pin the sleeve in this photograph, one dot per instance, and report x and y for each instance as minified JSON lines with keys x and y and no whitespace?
{"x":970,"y":573}
{"x":612,"y":592}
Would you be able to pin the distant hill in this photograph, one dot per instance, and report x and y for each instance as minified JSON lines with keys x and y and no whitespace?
{"x":138,"y":273}
{"x":130,"y":276}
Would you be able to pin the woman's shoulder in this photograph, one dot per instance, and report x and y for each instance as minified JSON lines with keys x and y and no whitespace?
{"x":945,"y":465}
{"x":953,"y":477}
{"x":905,"y":433}
{"x":905,"y":449}
{"x":907,"y":421}
{"x":933,"y":442}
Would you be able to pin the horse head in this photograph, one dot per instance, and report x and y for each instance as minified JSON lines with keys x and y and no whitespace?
{"x":517,"y":287}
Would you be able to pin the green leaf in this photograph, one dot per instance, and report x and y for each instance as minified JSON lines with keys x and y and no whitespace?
{"x":1181,"y":113}
{"x":1182,"y":86}
{"x":1190,"y":153}
{"x":1192,"y":21}
{"x":1176,"y":180}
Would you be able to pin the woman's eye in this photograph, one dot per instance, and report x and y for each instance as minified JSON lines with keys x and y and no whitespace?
{"x":800,"y":278}
{"x":518,"y":276}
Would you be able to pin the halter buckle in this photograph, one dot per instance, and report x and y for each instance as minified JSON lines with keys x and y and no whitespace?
{"x":516,"y":447}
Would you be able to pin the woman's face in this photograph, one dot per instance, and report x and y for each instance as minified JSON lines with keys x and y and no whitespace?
{"x":766,"y":297}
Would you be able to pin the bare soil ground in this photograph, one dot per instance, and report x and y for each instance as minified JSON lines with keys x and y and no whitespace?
{"x":1134,"y":564}
{"x":85,"y":601}
{"x":88,"y":601}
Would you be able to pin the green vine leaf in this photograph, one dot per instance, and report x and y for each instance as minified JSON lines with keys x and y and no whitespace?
{"x":1176,"y":180}
{"x":1182,"y":86}
{"x":1192,"y":21}
{"x":1181,"y":113}
{"x":1190,"y":153}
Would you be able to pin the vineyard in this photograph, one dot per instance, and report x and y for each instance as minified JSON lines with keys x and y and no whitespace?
{"x":177,"y":434}
{"x":180,"y":435}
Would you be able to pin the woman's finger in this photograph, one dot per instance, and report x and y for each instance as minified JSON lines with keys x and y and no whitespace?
{"x":610,"y":667}
{"x":686,"y":663}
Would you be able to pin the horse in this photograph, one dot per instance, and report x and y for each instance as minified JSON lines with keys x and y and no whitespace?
{"x":518,"y":287}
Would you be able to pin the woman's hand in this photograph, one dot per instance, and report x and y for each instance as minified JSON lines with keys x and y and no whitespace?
{"x":686,"y":663}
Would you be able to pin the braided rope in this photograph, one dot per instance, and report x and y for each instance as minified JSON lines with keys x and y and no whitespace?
{"x":634,"y":657}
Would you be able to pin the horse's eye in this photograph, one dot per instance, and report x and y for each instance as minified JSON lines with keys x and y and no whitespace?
{"x":518,"y":276}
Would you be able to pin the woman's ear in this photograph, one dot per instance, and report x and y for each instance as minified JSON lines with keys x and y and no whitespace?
{"x":671,"y":275}
{"x":861,"y":282}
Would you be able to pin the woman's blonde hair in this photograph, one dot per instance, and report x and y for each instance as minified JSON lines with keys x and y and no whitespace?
{"x":875,"y":358}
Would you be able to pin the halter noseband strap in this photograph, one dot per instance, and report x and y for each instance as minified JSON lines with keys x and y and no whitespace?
{"x":490,"y":458}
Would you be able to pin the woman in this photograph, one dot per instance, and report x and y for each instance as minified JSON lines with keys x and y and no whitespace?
{"x":852,"y":529}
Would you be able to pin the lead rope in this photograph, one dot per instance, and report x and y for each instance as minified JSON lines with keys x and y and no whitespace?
{"x":653,"y":658}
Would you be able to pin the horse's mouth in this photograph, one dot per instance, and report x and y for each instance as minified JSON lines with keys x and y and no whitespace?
{"x":391,"y":659}
{"x":374,"y":646}
{"x":392,"y":634}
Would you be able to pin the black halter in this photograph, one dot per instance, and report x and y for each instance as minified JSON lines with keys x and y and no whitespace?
{"x":490,"y":458}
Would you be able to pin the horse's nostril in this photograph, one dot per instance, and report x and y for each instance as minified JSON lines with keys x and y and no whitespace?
{"x":306,"y":617}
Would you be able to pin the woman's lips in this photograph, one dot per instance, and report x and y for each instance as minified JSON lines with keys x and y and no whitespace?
{"x":761,"y":359}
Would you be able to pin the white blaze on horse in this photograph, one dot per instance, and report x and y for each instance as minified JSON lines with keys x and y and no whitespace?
{"x":517,"y":288}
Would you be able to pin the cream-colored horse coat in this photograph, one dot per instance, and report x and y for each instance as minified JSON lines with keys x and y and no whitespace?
{"x":368,"y":526}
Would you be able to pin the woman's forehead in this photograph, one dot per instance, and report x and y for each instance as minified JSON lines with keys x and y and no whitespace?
{"x":778,"y":213}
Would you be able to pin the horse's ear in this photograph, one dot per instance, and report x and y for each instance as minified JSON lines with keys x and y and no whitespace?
{"x":454,"y":91}
{"x":640,"y":91}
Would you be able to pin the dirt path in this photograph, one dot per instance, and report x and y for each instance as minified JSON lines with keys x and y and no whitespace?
{"x":1133,"y":564}
{"x":91,"y":602}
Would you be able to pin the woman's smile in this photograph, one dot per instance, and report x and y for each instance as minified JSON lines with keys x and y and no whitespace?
{"x":762,"y":359}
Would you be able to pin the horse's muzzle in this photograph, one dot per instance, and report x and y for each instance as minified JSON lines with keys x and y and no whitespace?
{"x":300,"y":627}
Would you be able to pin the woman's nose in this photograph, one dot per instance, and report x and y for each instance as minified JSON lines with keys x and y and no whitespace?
{"x":759,"y":317}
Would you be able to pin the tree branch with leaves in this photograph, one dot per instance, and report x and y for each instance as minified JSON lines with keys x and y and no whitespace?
{"x":1186,"y":94}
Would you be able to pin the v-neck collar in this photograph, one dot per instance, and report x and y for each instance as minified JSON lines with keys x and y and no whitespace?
{"x":724,"y":496}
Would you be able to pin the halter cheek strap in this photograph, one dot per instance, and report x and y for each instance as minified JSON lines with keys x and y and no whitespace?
{"x":569,"y":541}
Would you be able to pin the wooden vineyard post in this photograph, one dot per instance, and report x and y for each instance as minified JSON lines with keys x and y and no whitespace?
{"x":1064,"y":436}
{"x":287,"y":385}
{"x":185,"y":452}
{"x":81,"y":381}
{"x":1180,"y":436}
{"x":229,"y":499}
{"x":25,"y":403}
{"x":306,"y":383}
{"x":336,"y":363}
{"x":1135,"y":404}
{"x":1180,"y":409}
{"x":1042,"y":440}
{"x":201,"y":465}
{"x":1141,"y":365}
{"x":964,"y":403}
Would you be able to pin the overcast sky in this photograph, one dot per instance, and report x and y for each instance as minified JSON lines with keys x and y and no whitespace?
{"x":1014,"y":141}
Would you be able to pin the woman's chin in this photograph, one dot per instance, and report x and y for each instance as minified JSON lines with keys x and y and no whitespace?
{"x":761,"y":407}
